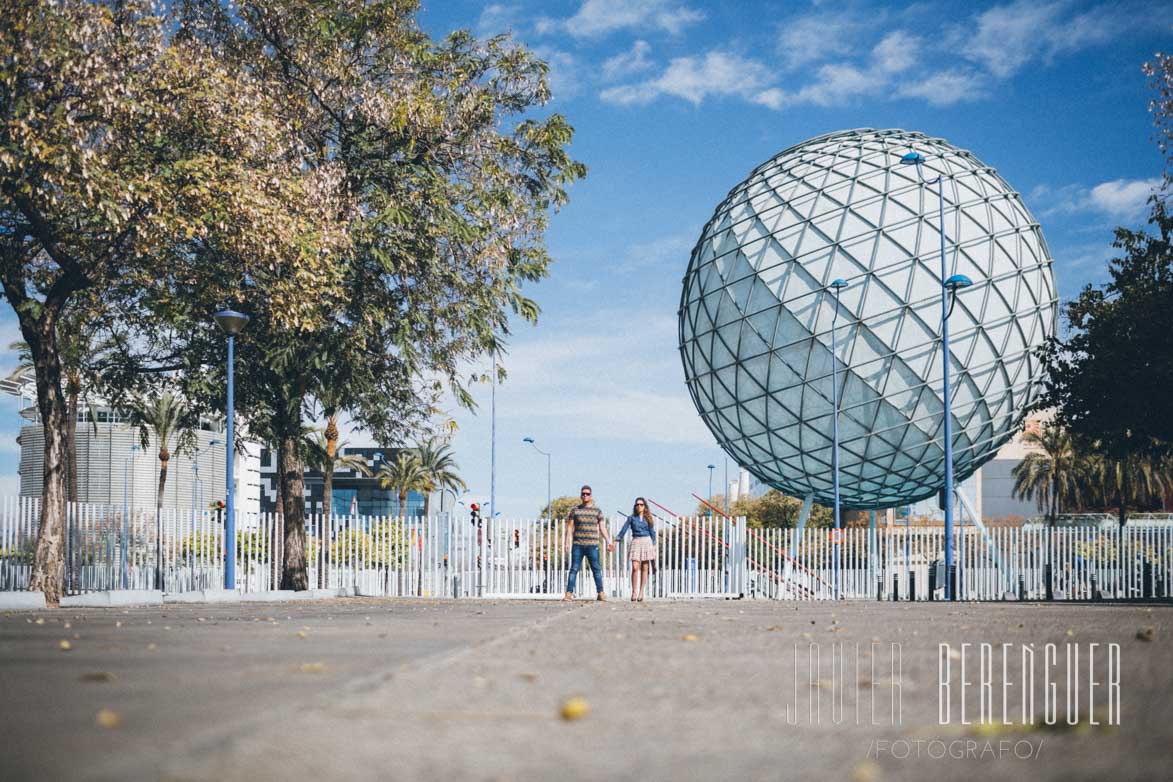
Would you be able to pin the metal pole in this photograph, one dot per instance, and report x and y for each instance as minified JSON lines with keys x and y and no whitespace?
{"x":949,"y":572}
{"x":493,"y":447}
{"x":711,"y":468}
{"x":125,"y":508}
{"x":727,"y":487}
{"x":549,"y":501}
{"x":835,"y":437}
{"x":229,"y":504}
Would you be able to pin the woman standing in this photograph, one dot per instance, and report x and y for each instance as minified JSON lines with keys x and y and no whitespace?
{"x":643,"y":545}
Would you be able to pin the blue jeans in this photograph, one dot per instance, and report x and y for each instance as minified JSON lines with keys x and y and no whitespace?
{"x":577,"y":552}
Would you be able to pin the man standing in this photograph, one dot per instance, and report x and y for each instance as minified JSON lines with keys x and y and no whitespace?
{"x":584,"y":527}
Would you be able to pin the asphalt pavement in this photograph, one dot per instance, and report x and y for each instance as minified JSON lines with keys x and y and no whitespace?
{"x":537,"y":690}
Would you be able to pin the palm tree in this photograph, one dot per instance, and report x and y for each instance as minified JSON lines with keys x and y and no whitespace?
{"x":325,"y":455}
{"x":1054,"y":478}
{"x":1131,"y":479}
{"x":404,"y":474}
{"x":439,"y":467}
{"x":166,"y":416}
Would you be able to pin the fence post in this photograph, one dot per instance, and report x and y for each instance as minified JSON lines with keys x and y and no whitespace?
{"x":911,"y":585}
{"x":1050,"y":589}
{"x":895,"y":587}
{"x":1147,"y":570}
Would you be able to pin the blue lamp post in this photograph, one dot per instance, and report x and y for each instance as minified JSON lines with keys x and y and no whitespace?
{"x":949,"y":288}
{"x":710,"y":497}
{"x":231,"y":322}
{"x":837,"y":285}
{"x":549,"y":508}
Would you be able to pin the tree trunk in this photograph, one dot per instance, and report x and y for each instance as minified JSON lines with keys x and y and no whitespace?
{"x":48,"y":573}
{"x":1055,"y":501}
{"x":327,"y":489}
{"x":427,"y":503}
{"x":293,"y":574}
{"x":164,"y":460}
{"x":1123,"y":495}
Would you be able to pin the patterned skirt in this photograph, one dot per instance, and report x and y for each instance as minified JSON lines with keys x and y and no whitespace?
{"x":643,"y":550}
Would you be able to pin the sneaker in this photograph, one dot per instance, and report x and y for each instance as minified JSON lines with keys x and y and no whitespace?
{"x":601,"y":598}
{"x":567,"y":596}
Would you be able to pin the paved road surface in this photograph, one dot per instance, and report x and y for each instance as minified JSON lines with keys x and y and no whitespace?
{"x":453,"y":690}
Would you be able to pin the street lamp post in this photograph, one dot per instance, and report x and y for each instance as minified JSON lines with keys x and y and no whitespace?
{"x":231,"y":322}
{"x":196,"y":480}
{"x":125,"y":511}
{"x":549,"y":501}
{"x":949,"y":288}
{"x":710,"y":498}
{"x":837,"y":285}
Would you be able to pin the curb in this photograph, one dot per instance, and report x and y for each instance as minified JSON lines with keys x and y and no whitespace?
{"x":204,"y":596}
{"x":22,"y":601}
{"x":118,"y":597}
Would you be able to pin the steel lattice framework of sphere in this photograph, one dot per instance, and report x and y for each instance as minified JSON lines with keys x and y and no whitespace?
{"x":757,"y":308}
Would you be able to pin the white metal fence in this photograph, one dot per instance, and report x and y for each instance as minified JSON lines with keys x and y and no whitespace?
{"x":708,"y":556}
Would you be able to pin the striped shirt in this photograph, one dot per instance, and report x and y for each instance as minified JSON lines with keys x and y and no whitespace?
{"x":586,"y":525}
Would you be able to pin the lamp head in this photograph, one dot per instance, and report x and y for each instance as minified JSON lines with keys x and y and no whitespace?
{"x":214,"y":441}
{"x":838,"y":284}
{"x":712,"y":466}
{"x":529,"y":440}
{"x":231,"y":321}
{"x":957,"y":282}
{"x":912,"y":158}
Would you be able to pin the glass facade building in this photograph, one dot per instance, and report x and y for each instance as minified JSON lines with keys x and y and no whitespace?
{"x":756,"y":312}
{"x":351,"y":490}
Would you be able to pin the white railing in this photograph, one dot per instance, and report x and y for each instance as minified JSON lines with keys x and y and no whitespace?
{"x":707,"y":556}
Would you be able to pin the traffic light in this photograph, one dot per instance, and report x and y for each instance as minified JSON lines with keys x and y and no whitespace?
{"x":475,"y":514}
{"x":517,"y":538}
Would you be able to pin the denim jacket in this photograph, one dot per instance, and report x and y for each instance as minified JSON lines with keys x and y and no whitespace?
{"x":639,"y":529}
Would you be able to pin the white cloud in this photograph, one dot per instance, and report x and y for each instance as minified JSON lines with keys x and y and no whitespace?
{"x":498,"y":18}
{"x":696,"y":78}
{"x":816,"y":37}
{"x":667,"y":249}
{"x":1118,"y":199}
{"x":1123,"y":197}
{"x":614,"y":376}
{"x":9,"y":485}
{"x":946,"y":88}
{"x":896,"y":52}
{"x":600,"y":17}
{"x":565,"y":72}
{"x":1004,"y":39}
{"x":633,"y":61}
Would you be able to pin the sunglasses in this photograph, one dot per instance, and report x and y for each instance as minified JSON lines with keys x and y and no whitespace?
{"x":639,"y":505}
{"x":586,"y":494}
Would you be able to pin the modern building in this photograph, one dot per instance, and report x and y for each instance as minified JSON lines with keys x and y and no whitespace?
{"x":352,"y":492}
{"x":113,"y":468}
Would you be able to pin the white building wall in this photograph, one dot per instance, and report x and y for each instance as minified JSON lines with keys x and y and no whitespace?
{"x":113,"y":468}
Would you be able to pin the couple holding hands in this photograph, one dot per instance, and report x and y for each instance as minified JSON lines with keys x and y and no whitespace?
{"x":586,"y":526}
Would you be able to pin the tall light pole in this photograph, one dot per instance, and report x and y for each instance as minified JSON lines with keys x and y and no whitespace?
{"x":493,"y":445}
{"x":125,"y":511}
{"x":837,"y":285}
{"x":196,"y":480}
{"x":949,"y":288}
{"x":710,"y":497}
{"x":231,"y":322}
{"x":549,"y":502}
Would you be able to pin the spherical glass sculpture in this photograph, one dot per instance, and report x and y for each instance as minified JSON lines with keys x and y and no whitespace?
{"x":757,"y":309}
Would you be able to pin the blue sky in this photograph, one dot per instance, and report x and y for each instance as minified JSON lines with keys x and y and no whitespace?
{"x":675,"y":101}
